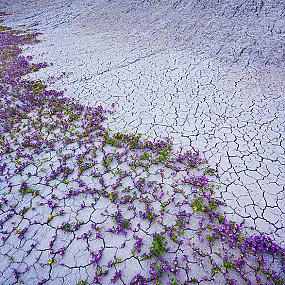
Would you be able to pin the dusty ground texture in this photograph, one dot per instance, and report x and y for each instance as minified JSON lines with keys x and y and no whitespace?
{"x":208,"y":74}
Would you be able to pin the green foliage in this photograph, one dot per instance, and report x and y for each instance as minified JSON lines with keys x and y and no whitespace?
{"x":82,"y":282}
{"x":83,"y":167}
{"x":28,"y":190}
{"x":116,"y":260}
{"x":173,"y":237}
{"x":65,"y":227}
{"x":173,"y":282}
{"x":220,"y":218}
{"x":198,"y":204}
{"x":65,"y":181}
{"x":180,"y":232}
{"x":4,"y":28}
{"x":36,"y":86}
{"x":210,"y":238}
{"x":83,"y":134}
{"x":145,"y":155}
{"x":163,"y":206}
{"x":210,"y":171}
{"x":10,"y":257}
{"x":164,"y":151}
{"x":126,"y":223}
{"x":227,"y":264}
{"x":34,"y":67}
{"x":113,"y":196}
{"x":150,"y":216}
{"x":159,"y":273}
{"x":107,"y":161}
{"x":99,"y":271}
{"x":180,"y":221}
{"x":215,"y":270}
{"x":158,"y":246}
{"x":212,"y":205}
{"x":109,"y":140}
{"x":239,"y":238}
{"x":74,"y":116}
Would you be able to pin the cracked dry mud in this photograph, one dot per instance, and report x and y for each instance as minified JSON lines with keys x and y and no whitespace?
{"x":208,"y":74}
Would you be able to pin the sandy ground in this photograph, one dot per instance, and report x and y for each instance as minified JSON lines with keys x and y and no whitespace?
{"x":209,"y":74}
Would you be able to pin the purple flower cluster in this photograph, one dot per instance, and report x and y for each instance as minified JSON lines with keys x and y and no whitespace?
{"x":139,"y":280}
{"x":264,"y":244}
{"x":198,"y":181}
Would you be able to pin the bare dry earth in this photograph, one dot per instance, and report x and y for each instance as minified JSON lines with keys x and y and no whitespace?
{"x":209,"y":74}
